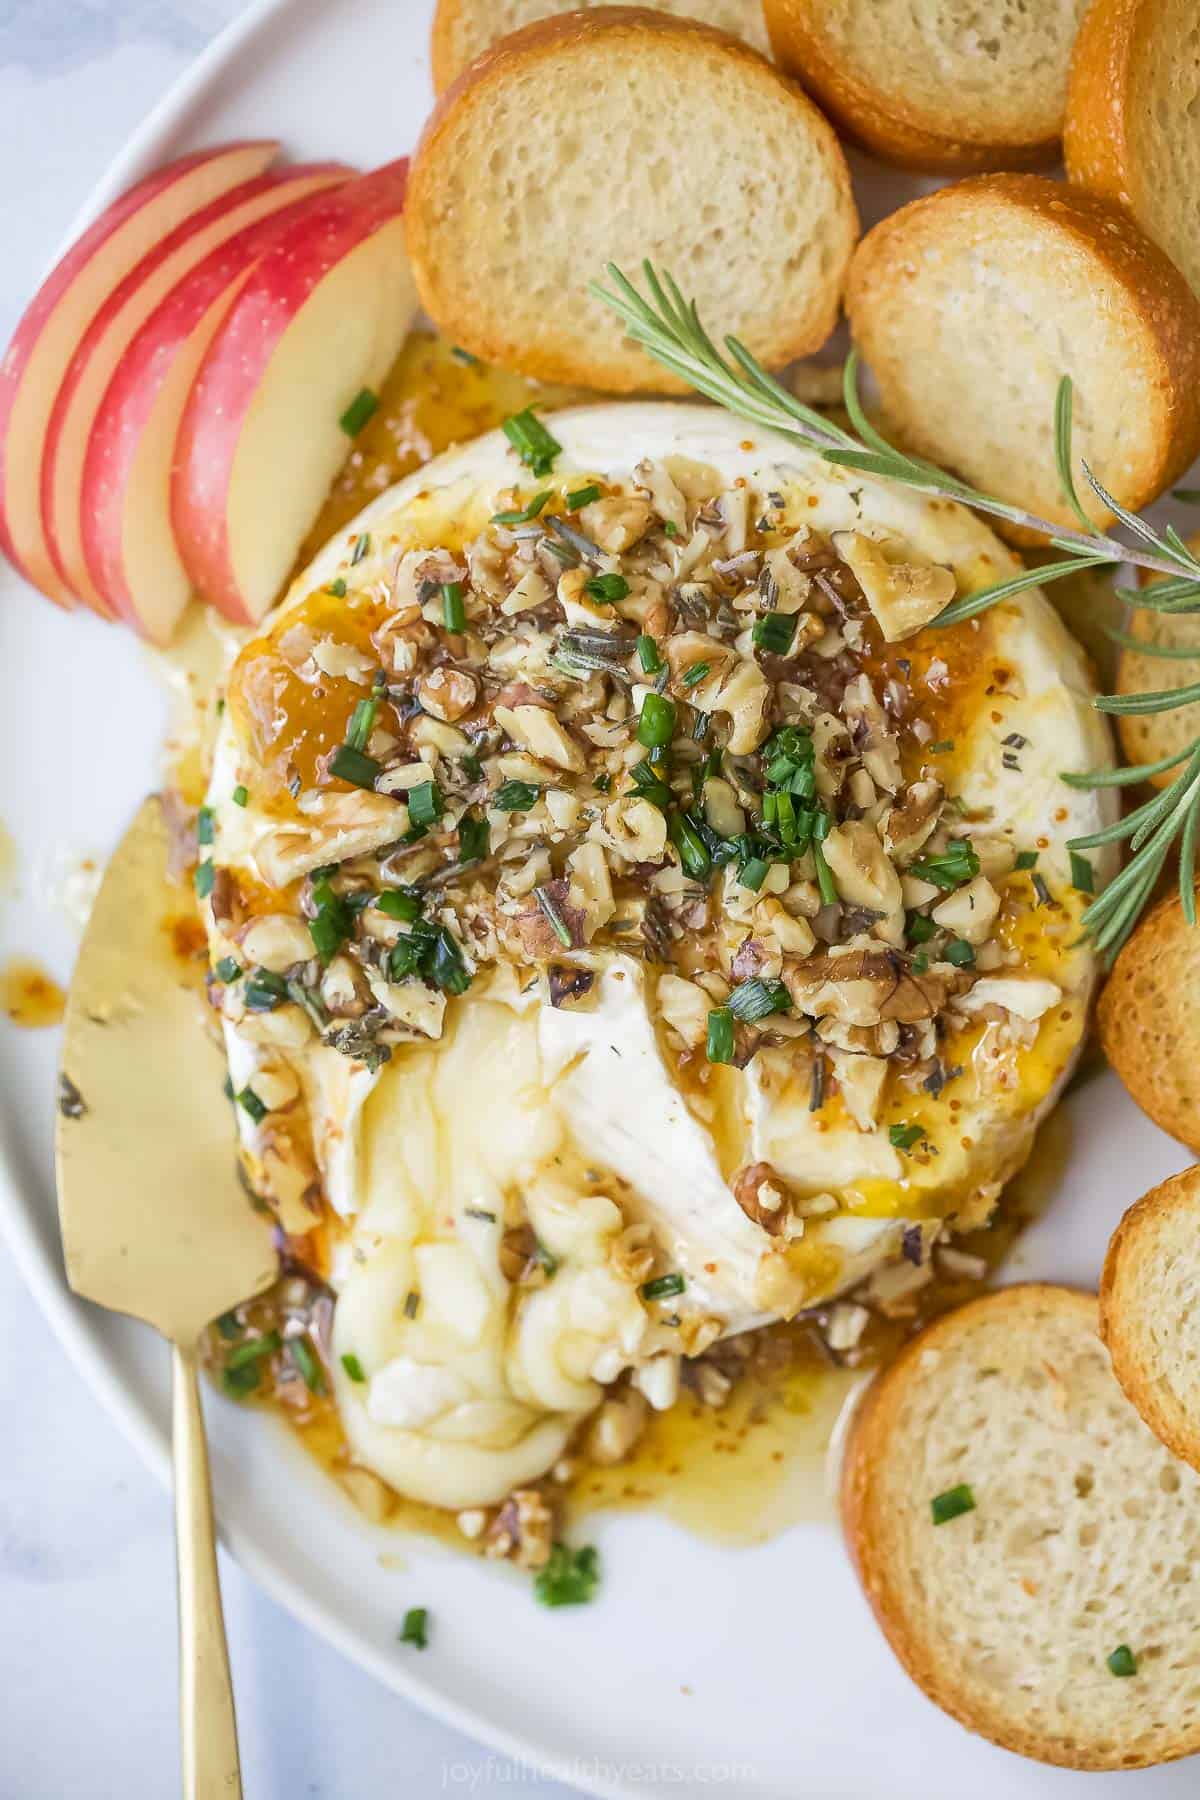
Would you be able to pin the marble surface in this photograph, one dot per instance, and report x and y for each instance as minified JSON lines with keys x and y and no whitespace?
{"x":87,"y":1609}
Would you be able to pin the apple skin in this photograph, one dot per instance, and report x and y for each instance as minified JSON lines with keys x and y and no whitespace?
{"x":248,"y":379}
{"x":59,"y":313}
{"x":99,"y":351}
{"x":125,"y":491}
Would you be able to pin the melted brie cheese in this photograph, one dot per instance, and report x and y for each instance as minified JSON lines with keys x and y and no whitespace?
{"x":574,"y":1119}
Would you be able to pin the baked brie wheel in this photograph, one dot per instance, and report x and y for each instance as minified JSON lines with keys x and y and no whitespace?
{"x":632,"y":919}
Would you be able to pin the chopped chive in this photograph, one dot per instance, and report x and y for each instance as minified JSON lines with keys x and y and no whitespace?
{"x":960,"y":953}
{"x":648,"y":655}
{"x":394,"y":903}
{"x":353,"y":1367}
{"x":920,"y":962}
{"x":364,"y":406}
{"x":693,"y":852}
{"x":950,"y":868}
{"x":250,"y":1103}
{"x":942,"y":744}
{"x":825,"y":881}
{"x":351,"y":765}
{"x":474,"y":838}
{"x":515,"y":796}
{"x":656,"y":721}
{"x":331,"y":922}
{"x":454,"y":612}
{"x":607,"y":588}
{"x":415,"y":1629}
{"x":1083,"y":876}
{"x":753,"y":873}
{"x":532,"y":442}
{"x":522,"y":515}
{"x":952,"y":1504}
{"x":308,"y":1363}
{"x":663,"y":1287}
{"x":242,"y":1380}
{"x":603,"y":782}
{"x":1121,"y":1661}
{"x":228,"y":969}
{"x":903,"y":1137}
{"x":1041,"y":890}
{"x":580,"y":497}
{"x":203,"y":879}
{"x":464,"y":356}
{"x":204,"y":825}
{"x":570,"y":1578}
{"x":337,"y":589}
{"x":919,"y":928}
{"x":758,"y":999}
{"x":774,"y":633}
{"x":425,"y":804}
{"x":1027,"y":859}
{"x":649,"y":786}
{"x":412,"y":1302}
{"x":362,"y":724}
{"x":253,"y":1350}
{"x":696,"y":674}
{"x":241,"y":795}
{"x":719,"y":1043}
{"x":362,"y":545}
{"x":264,"y":991}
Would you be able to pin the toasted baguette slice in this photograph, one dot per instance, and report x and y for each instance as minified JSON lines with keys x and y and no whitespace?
{"x":1149,"y":737}
{"x":1130,"y":132}
{"x":1149,"y":1019}
{"x":971,"y":304}
{"x":943,"y":86}
{"x":1083,"y":1536}
{"x":614,"y":135}
{"x":464,"y":29}
{"x":1150,"y":1311}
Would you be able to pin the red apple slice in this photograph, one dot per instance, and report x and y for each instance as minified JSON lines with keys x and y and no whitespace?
{"x":321,"y":318}
{"x":59,"y":314}
{"x":125,"y":497}
{"x":101,"y":349}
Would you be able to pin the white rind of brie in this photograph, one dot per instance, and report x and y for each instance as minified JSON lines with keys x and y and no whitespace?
{"x":471,"y":1388}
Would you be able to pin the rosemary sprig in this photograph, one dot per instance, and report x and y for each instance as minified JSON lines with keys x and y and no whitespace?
{"x":669,"y":329}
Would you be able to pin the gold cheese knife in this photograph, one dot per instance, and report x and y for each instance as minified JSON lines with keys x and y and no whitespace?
{"x":154,"y":1222}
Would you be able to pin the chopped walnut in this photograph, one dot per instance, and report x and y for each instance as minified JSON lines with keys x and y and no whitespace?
{"x":522,"y":1531}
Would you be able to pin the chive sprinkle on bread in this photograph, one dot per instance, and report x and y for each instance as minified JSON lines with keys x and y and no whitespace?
{"x":1150,"y":737}
{"x":1027,"y":1544}
{"x":1131,"y":117}
{"x":971,"y":304}
{"x":949,"y":85}
{"x":463,"y":29}
{"x":1149,"y":1020}
{"x":1150,"y":1311}
{"x":614,"y":135}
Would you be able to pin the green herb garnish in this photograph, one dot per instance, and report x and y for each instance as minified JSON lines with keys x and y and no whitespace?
{"x":353,"y":1367}
{"x":960,"y":953}
{"x":1083,"y":876}
{"x":952,"y":1504}
{"x":570,"y":1578}
{"x":425,"y":804}
{"x":950,"y":868}
{"x":454,"y":611}
{"x":1026,"y":859}
{"x":774,"y":633}
{"x":648,"y":655}
{"x":351,"y":765}
{"x":532,"y":442}
{"x":515,"y":796}
{"x":693,"y":852}
{"x":578,"y":498}
{"x":656,"y":721}
{"x":363,"y":407}
{"x":250,"y":1103}
{"x":663,"y":1287}
{"x":1121,"y":1661}
{"x":903,"y":1137}
{"x":228,"y":969}
{"x":362,"y":724}
{"x":608,"y":589}
{"x":397,"y":903}
{"x":308,"y":1362}
{"x":203,"y":879}
{"x":758,"y":999}
{"x":696,"y":674}
{"x":525,"y":514}
{"x":415,"y":1629}
{"x":474,"y":838}
{"x":241,"y":795}
{"x":719,"y":1042}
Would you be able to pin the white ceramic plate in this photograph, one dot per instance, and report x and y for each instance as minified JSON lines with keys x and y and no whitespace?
{"x":759,"y":1670}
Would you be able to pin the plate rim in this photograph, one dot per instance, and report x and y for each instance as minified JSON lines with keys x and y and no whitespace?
{"x":34,"y":1242}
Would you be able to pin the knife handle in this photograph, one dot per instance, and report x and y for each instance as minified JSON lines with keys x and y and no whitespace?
{"x":208,"y":1725}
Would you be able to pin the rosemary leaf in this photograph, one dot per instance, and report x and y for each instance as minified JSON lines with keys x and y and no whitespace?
{"x":1063,"y":408}
{"x":1161,"y":700}
{"x":1125,"y":640}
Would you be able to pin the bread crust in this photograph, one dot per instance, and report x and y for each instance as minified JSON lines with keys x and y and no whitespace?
{"x":1148,"y":1024}
{"x":575,"y":33}
{"x":1096,"y":140}
{"x":881,"y":122}
{"x":1162,"y":307}
{"x":876,"y":1434}
{"x":1130,"y":1260}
